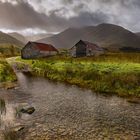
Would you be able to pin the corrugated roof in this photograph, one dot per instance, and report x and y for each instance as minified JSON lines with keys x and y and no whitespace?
{"x":45,"y":47}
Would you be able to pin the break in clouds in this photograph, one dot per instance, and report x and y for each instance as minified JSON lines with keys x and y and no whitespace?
{"x":57,"y":15}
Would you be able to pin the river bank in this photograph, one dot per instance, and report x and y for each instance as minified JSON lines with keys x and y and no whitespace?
{"x":67,"y":112}
{"x":105,"y":77}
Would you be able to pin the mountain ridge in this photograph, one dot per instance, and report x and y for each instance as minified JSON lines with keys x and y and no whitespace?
{"x":18,"y":37}
{"x":109,"y":36}
{"x":7,"y":39}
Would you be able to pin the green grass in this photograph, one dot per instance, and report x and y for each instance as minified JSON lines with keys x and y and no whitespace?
{"x":104,"y":74}
{"x":9,"y":50}
{"x":6,"y":72}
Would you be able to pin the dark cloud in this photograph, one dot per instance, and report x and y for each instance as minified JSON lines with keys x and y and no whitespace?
{"x":66,"y":13}
{"x":86,"y":18}
{"x":68,"y":1}
{"x":20,"y":16}
{"x":24,"y":16}
{"x":56,"y":23}
{"x":126,"y":3}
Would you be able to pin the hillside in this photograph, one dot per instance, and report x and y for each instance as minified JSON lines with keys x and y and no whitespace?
{"x":7,"y":39}
{"x":38,"y":36}
{"x":138,"y":34}
{"x":67,"y":38}
{"x":8,"y":50}
{"x":109,"y":36}
{"x":9,"y":46}
{"x":19,"y":37}
{"x":25,"y":39}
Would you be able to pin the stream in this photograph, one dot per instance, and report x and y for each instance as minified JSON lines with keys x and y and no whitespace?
{"x":67,"y":112}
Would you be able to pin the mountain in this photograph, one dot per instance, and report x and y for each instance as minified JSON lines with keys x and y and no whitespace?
{"x":25,"y":39}
{"x":19,"y":37}
{"x":67,"y":38}
{"x":9,"y":46}
{"x":138,"y":34}
{"x":109,"y":36}
{"x":38,"y":36}
{"x":7,"y":39}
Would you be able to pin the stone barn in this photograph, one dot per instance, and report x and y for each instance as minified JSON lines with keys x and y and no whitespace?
{"x":85,"y":48}
{"x":37,"y":50}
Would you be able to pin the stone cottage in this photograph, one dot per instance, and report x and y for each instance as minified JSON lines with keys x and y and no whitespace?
{"x":37,"y":50}
{"x":85,"y":48}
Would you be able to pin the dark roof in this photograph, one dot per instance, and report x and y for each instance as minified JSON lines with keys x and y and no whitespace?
{"x":44,"y":47}
{"x":90,"y":45}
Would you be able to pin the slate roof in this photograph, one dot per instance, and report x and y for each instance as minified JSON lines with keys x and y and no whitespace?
{"x":90,"y":45}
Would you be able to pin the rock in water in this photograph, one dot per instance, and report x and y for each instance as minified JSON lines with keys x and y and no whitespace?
{"x":28,"y":110}
{"x":18,"y":128}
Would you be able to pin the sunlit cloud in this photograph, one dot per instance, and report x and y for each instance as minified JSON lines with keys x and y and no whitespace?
{"x":28,"y":31}
{"x":14,"y":2}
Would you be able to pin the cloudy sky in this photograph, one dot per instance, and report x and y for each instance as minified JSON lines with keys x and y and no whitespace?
{"x":40,"y":16}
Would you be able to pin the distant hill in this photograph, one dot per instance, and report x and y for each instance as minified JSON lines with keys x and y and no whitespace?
{"x":109,"y":36}
{"x":19,"y":37}
{"x":7,"y":39}
{"x":67,"y":38}
{"x":9,"y":46}
{"x":38,"y":36}
{"x":25,"y":39}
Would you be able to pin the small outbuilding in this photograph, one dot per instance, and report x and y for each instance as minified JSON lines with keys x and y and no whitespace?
{"x":85,"y":48}
{"x":37,"y":50}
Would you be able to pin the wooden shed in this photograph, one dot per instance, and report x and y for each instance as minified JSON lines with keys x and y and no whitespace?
{"x":85,"y":48}
{"x":37,"y":50}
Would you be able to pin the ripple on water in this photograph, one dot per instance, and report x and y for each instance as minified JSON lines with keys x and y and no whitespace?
{"x":69,"y":112}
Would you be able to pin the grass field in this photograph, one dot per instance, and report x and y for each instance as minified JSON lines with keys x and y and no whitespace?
{"x":108,"y":74}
